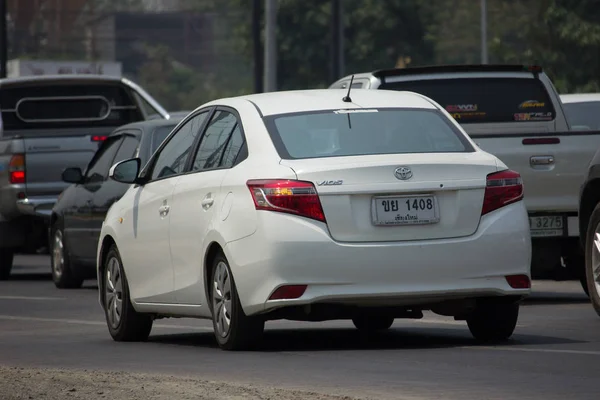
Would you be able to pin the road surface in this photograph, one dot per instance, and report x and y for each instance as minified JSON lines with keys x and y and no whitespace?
{"x":554,"y":354}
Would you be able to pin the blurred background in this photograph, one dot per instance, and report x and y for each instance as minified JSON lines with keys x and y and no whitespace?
{"x":186,"y":52}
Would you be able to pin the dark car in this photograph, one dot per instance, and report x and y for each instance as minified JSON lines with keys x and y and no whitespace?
{"x":78,"y":214}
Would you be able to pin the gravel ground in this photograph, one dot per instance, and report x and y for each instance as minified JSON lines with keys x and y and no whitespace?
{"x":17,"y":383}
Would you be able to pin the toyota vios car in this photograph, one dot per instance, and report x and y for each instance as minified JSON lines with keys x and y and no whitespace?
{"x":315,"y":205}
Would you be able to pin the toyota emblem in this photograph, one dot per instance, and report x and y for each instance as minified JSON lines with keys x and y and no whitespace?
{"x":403,"y":173}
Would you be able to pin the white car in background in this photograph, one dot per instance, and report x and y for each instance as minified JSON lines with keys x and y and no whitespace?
{"x":310,"y":205}
{"x":582,"y":110}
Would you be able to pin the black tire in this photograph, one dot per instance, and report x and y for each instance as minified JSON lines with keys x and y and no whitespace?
{"x":372,"y":323}
{"x":589,"y":249}
{"x":6,"y":263}
{"x":493,"y":321}
{"x":63,"y":274}
{"x":243,"y":332}
{"x":131,"y":326}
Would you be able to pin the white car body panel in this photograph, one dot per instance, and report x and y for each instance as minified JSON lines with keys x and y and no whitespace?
{"x":346,"y":260}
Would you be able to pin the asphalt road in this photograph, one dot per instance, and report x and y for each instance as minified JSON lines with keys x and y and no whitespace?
{"x":554,"y":354}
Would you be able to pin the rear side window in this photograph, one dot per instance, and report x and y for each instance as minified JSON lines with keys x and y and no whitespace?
{"x":68,"y":105}
{"x":485,"y":100}
{"x":337,"y":133}
{"x":158,"y":136}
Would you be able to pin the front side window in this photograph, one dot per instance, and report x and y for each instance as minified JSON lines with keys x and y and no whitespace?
{"x":337,"y":133}
{"x":173,"y":156}
{"x":97,"y":170}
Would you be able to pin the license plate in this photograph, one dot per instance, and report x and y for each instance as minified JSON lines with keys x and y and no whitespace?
{"x":544,"y":226}
{"x":405,"y":210}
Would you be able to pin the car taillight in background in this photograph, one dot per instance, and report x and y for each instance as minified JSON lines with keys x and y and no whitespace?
{"x":99,"y":138}
{"x":288,"y":196}
{"x":502,"y":188}
{"x":16,"y":169}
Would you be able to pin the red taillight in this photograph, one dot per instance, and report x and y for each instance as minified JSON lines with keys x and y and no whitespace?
{"x":502,"y":188}
{"x":518,"y":281}
{"x":98,"y":138}
{"x":16,"y":169}
{"x":289,"y":196}
{"x":288,"y":292}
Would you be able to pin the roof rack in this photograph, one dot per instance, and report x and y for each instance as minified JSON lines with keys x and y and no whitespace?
{"x":432,"y":69}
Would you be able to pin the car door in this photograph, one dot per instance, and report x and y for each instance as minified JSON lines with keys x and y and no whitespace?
{"x":197,"y":200}
{"x":145,"y":248}
{"x":95,"y":175}
{"x":109,"y":190}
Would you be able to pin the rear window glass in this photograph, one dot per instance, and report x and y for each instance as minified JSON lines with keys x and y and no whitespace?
{"x":485,"y":100}
{"x":159,"y":135}
{"x":47,"y":106}
{"x":584,"y":115}
{"x":337,"y":133}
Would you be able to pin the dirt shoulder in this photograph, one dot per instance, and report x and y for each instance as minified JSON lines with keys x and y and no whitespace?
{"x":17,"y":383}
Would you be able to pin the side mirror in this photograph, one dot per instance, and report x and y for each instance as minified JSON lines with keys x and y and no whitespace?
{"x":72,"y":175}
{"x":126,"y":171}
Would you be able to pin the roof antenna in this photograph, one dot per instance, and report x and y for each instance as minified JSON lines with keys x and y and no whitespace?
{"x":347,"y":98}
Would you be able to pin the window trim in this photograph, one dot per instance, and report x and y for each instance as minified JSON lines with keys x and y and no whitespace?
{"x":147,"y":170}
{"x":269,"y":122}
{"x":243,"y":148}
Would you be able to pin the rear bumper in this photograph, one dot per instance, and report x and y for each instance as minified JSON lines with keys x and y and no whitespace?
{"x":286,"y":250}
{"x":37,"y":206}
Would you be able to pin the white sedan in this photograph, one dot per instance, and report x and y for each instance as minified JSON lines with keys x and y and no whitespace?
{"x":310,"y":205}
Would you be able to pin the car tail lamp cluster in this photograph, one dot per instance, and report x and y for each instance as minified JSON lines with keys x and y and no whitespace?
{"x":502,"y":188}
{"x":288,"y":196}
{"x":99,"y":138}
{"x":16,"y":169}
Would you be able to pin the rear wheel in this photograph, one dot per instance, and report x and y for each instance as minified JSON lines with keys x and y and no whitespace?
{"x":372,"y":323}
{"x":124,"y":323}
{"x":592,"y":258}
{"x":233,"y":329}
{"x":6,"y":263}
{"x":493,"y":321}
{"x":62,"y":272}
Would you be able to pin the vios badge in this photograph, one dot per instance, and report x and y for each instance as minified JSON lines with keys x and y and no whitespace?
{"x":403,"y":173}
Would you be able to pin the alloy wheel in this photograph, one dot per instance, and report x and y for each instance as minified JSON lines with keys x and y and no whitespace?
{"x":596,"y":260}
{"x":221,"y":295}
{"x":114,"y":292}
{"x":58,"y":254}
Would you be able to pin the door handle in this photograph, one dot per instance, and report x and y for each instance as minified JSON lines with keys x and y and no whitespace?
{"x":163,"y":210}
{"x":541,"y":160}
{"x":207,"y":202}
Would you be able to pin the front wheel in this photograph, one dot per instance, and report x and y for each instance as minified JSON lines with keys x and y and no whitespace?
{"x":63,"y":275}
{"x":592,"y":259}
{"x":6,"y":263}
{"x":124,"y":323}
{"x":233,"y":329}
{"x":493,"y":321}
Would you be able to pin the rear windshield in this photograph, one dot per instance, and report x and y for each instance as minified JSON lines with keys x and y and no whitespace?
{"x":159,"y":135}
{"x":584,"y":115}
{"x":485,"y":100}
{"x":48,"y":106}
{"x":336,"y":133}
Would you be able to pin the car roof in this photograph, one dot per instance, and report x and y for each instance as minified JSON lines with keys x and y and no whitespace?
{"x":147,"y":125}
{"x":327,"y":99}
{"x":579,"y":97}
